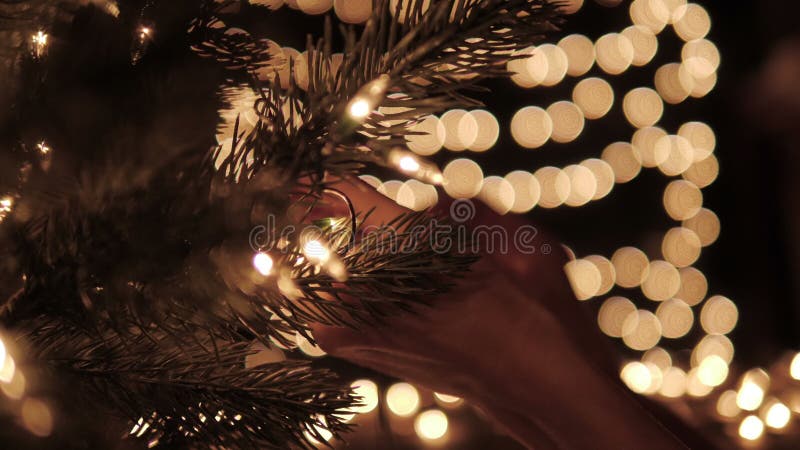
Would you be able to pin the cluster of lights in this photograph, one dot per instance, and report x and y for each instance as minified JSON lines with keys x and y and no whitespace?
{"x":39,"y":44}
{"x":34,"y":413}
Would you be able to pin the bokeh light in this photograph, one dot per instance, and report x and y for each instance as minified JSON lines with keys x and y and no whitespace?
{"x":682,"y":200}
{"x":645,"y":140}
{"x":681,"y":247}
{"x":644,"y":42}
{"x":726,"y":404}
{"x":641,"y":330}
{"x":608,"y":275}
{"x":583,"y":185}
{"x":676,"y":318}
{"x":580,"y":54}
{"x":694,"y":286}
{"x":624,"y":159}
{"x":531,"y":127}
{"x":367,"y":390}
{"x":631,"y":266}
{"x":652,"y":14}
{"x":594,"y":96}
{"x":706,"y":225}
{"x":680,"y":155}
{"x":636,"y":376}
{"x":584,"y":277}
{"x":461,"y":129}
{"x":719,"y":315}
{"x":751,"y":428}
{"x":431,"y":425}
{"x":431,"y":141}
{"x":567,"y":119}
{"x":555,"y":186}
{"x":702,"y":173}
{"x":603,"y":175}
{"x":526,"y":190}
{"x":402,"y":399}
{"x":662,"y":282}
{"x":612,"y":315}
{"x":353,"y":11}
{"x":615,"y":53}
{"x":463,"y":178}
{"x":642,"y":107}
{"x":498,"y":194}
{"x":488,"y":130}
{"x":673,"y":384}
{"x":691,"y":22}
{"x":673,"y":82}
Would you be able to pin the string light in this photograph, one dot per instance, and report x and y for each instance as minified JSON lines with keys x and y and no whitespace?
{"x":431,"y":425}
{"x":751,"y":428}
{"x":39,"y":44}
{"x":6,"y":205}
{"x":411,"y":164}
{"x":319,"y":254}
{"x":263,"y":263}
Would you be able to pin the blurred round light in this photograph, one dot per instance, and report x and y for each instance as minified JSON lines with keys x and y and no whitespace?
{"x":402,"y":399}
{"x":777,"y":415}
{"x":694,"y":286}
{"x":794,"y":367}
{"x":712,"y":371}
{"x":603,"y":174}
{"x":652,"y":14}
{"x":557,"y":63}
{"x":583,"y":185}
{"x":641,"y":330}
{"x":680,"y":155}
{"x":463,"y":178}
{"x":645,"y":140}
{"x":416,"y":195}
{"x":529,"y":71}
{"x":682,"y":200}
{"x":691,"y":22}
{"x":706,"y":225}
{"x":37,"y":417}
{"x":645,"y":44}
{"x":701,"y":137}
{"x":659,"y":357}
{"x":531,"y":127}
{"x":584,"y":277}
{"x":498,"y":194}
{"x":431,"y":141}
{"x":702,"y":173}
{"x":673,"y":82}
{"x":580,"y":54}
{"x":681,"y":247}
{"x":673,"y":384}
{"x":624,"y":159}
{"x":676,"y":318}
{"x":631,"y":266}
{"x":662,"y":282}
{"x":431,"y":425}
{"x":751,"y":428}
{"x":726,"y":404}
{"x":461,"y":129}
{"x":263,"y":263}
{"x":390,"y":188}
{"x":526,"y":190}
{"x":373,"y":181}
{"x":368,"y":393}
{"x":607,"y":274}
{"x":703,"y":86}
{"x":555,"y":186}
{"x":694,"y":386}
{"x":594,"y":96}
{"x":314,"y":6}
{"x":712,"y":344}
{"x":719,"y":315}
{"x":567,"y":121}
{"x":701,"y":58}
{"x":642,"y":107}
{"x":353,"y":11}
{"x":612,"y":315}
{"x":488,"y":130}
{"x":615,"y":53}
{"x":636,"y":376}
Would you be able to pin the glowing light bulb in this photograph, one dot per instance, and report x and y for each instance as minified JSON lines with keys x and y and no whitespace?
{"x":636,"y":376}
{"x":751,"y":428}
{"x":368,"y":392}
{"x":750,"y":396}
{"x":263,"y":263}
{"x":360,"y":109}
{"x":413,"y":165}
{"x":39,"y":44}
{"x":712,"y":371}
{"x":402,"y":399}
{"x":408,"y":164}
{"x":431,"y":425}
{"x":316,"y":251}
{"x":6,"y":204}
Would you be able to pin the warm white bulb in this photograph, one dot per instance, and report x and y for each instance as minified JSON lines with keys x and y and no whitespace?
{"x":751,"y":428}
{"x":408,"y":164}
{"x":750,"y":396}
{"x":778,"y":415}
{"x":431,"y":425}
{"x":360,"y":109}
{"x":263,"y":263}
{"x":316,"y":251}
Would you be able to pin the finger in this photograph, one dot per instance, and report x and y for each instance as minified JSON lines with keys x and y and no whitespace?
{"x":365,"y":198}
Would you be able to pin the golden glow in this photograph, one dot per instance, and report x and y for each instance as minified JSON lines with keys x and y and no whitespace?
{"x":461,"y":130}
{"x":416,"y":195}
{"x":659,"y":357}
{"x":390,"y":188}
{"x":316,"y":251}
{"x":36,"y":417}
{"x":701,"y":58}
{"x":706,"y":225}
{"x":594,"y":96}
{"x":694,"y":286}
{"x":702,"y":173}
{"x":531,"y":127}
{"x":373,"y":181}
{"x":702,"y":86}
{"x":567,"y":120}
{"x":751,"y":428}
{"x":712,"y":344}
{"x":408,"y":164}
{"x":750,"y":396}
{"x":498,"y":194}
{"x":360,"y":108}
{"x":307,"y":347}
{"x":794,"y":367}
{"x":314,"y":6}
{"x":263,"y":263}
{"x":39,"y":43}
{"x":603,"y":174}
{"x":636,"y":376}
{"x":7,"y":369}
{"x":526,"y":190}
{"x":719,"y":315}
{"x":353,"y":11}
{"x":402,"y":399}
{"x":368,"y":391}
{"x":463,"y":178}
{"x":580,"y":54}
{"x":680,"y":155}
{"x":488,"y":130}
{"x":430,"y":142}
{"x":676,"y":318}
{"x":694,"y":386}
{"x":631,"y":266}
{"x":652,"y":14}
{"x":530,"y":71}
{"x":583,"y":185}
{"x":645,"y":140}
{"x":673,"y":384}
{"x":612,"y":315}
{"x":645,"y":44}
{"x":555,"y":186}
{"x":431,"y":425}
{"x":584,"y":277}
{"x":16,"y":388}
{"x":556,"y":64}
{"x":681,"y":247}
{"x":691,"y":22}
{"x":701,"y":137}
{"x":448,"y":399}
{"x":662,"y":282}
{"x":712,"y":371}
{"x":614,"y":53}
{"x":641,"y":330}
{"x":608,"y":275}
{"x":673,"y":82}
{"x":776,"y":414}
{"x":682,"y":200}
{"x":624,"y":159}
{"x":726,"y":404}
{"x":642,"y":107}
